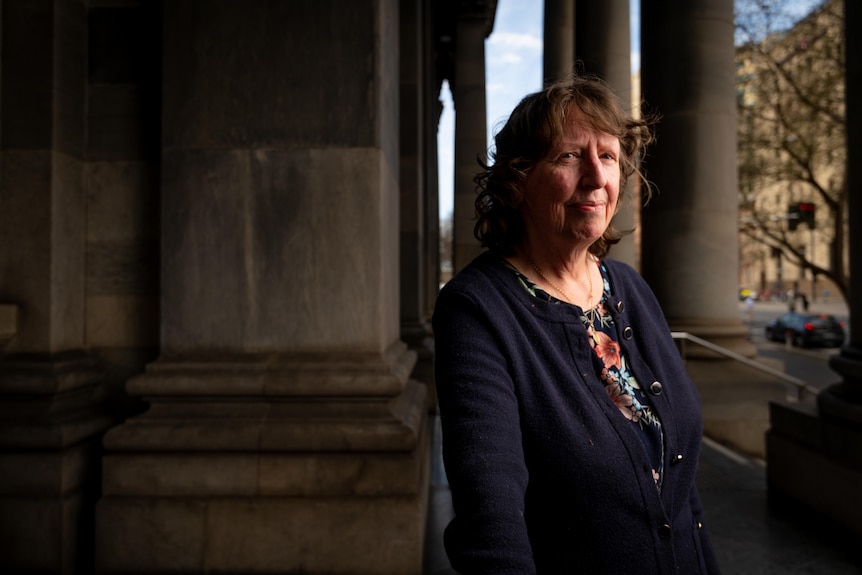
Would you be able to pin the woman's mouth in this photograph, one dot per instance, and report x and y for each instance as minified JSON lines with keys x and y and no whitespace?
{"x":587,"y":206}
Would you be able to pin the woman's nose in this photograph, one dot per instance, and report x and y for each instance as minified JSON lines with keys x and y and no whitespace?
{"x":593,"y":176}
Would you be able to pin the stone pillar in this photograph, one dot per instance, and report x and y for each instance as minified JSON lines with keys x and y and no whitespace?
{"x":603,"y":45}
{"x":283,"y":433}
{"x":468,"y":95}
{"x":431,"y":252}
{"x":559,"y":39}
{"x":814,"y":453}
{"x":51,"y":391}
{"x":415,"y":328}
{"x":431,"y":111}
{"x":122,"y":190}
{"x":689,"y":238}
{"x":690,"y":226}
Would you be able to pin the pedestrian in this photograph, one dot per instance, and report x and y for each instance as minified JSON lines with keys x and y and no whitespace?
{"x":791,"y":301}
{"x":804,"y":299}
{"x":749,"y":310}
{"x":571,"y":430}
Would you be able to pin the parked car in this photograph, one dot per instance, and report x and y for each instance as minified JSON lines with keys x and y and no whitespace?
{"x":807,"y":329}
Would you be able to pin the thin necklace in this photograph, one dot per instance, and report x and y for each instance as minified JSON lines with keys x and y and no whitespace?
{"x":559,"y":289}
{"x":589,"y":315}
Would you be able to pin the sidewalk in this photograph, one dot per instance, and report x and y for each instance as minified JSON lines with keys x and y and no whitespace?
{"x":750,"y":535}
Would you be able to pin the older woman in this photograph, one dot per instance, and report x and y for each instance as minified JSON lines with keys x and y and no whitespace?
{"x":571,"y":430}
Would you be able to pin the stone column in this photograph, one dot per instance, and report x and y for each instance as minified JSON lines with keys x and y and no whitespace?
{"x":468,"y":95}
{"x":432,"y":109}
{"x":415,"y":328}
{"x":814,"y":451}
{"x":51,"y":392}
{"x":603,"y":45}
{"x":283,"y":433}
{"x":689,"y":239}
{"x":690,"y":226}
{"x":559,"y":36}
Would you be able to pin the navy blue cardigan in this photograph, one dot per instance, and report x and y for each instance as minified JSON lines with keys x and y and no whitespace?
{"x":546,"y":474}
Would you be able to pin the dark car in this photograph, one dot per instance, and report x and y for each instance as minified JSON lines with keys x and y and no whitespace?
{"x":807,"y":329}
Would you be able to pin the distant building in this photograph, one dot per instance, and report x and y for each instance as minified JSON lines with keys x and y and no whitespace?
{"x":792,"y":152}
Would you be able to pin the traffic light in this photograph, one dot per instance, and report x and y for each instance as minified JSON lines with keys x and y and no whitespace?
{"x":802,"y":212}
{"x":806,"y":214}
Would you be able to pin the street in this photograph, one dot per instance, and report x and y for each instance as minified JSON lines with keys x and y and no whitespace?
{"x":808,"y":364}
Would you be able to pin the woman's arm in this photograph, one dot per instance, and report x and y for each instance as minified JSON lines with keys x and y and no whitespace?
{"x":482,"y":444}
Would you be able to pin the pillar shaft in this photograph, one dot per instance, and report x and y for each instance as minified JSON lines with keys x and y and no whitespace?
{"x":431,"y":111}
{"x":412,"y":167}
{"x":468,"y":94}
{"x":415,"y":328}
{"x":51,"y":391}
{"x":603,"y":47}
{"x":559,"y":39}
{"x":689,"y":228}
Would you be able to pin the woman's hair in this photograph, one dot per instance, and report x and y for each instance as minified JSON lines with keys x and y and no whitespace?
{"x":532,"y":130}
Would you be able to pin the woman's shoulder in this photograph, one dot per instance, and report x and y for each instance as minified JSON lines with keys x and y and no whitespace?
{"x":622,"y":272}
{"x":477,"y":274}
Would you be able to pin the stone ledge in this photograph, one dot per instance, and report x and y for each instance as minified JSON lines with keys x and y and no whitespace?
{"x":393,"y":426}
{"x":264,"y":474}
{"x":45,"y":375}
{"x":293,"y":375}
{"x":380,"y":535}
{"x":816,"y":480}
{"x":802,"y":424}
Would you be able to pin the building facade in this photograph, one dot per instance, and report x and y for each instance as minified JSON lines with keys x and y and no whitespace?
{"x":792,"y":156}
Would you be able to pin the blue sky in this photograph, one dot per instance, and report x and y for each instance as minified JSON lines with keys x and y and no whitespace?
{"x":513,"y":61}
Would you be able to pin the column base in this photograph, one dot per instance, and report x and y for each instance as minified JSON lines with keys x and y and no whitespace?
{"x":283,"y":481}
{"x":843,"y":401}
{"x":50,"y":429}
{"x":735,"y":401}
{"x":420,"y":338}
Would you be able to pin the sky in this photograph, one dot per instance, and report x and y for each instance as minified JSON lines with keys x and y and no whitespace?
{"x":513,"y":62}
{"x":513,"y":69}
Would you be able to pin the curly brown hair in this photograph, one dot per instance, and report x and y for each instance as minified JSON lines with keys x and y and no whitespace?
{"x":532,"y":129}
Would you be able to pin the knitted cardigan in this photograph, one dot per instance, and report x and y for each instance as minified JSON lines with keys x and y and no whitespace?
{"x":546,"y":474}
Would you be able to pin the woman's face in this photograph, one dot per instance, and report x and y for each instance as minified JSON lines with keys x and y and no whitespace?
{"x":571,"y":194}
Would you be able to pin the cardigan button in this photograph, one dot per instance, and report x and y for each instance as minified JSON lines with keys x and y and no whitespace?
{"x":628,"y":333}
{"x":664,"y":530}
{"x":656,"y":388}
{"x":620,"y":306}
{"x":677,"y":458}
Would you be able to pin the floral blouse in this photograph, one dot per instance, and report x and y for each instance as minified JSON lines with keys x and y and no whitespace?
{"x":620,"y":384}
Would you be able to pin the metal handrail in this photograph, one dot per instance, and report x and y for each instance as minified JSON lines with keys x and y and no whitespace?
{"x":801,"y":387}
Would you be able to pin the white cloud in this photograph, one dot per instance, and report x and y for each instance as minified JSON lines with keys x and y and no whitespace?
{"x":515,"y":41}
{"x":504,"y":58}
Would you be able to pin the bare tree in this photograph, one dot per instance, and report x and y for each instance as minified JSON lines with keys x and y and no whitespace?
{"x":791,"y":132}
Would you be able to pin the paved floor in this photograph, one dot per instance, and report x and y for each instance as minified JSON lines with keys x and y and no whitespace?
{"x":751,"y":536}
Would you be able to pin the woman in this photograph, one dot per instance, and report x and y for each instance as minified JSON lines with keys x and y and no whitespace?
{"x":571,"y":431}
